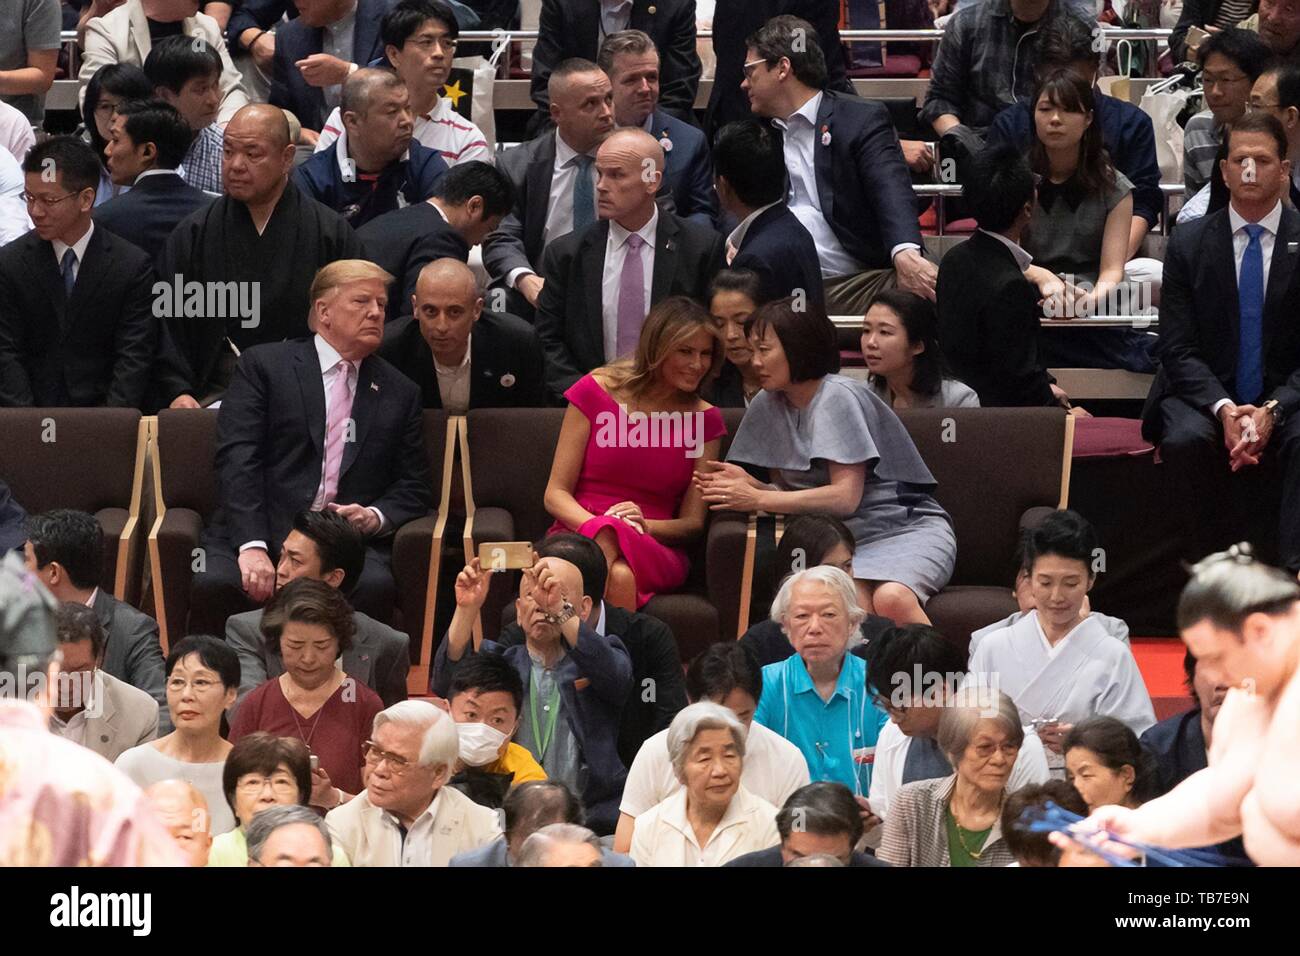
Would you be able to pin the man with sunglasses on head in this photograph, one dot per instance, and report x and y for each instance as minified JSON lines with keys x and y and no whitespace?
{"x":77,"y":326}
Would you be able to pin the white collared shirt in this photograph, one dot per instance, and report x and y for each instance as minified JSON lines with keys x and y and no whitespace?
{"x":339,"y":40}
{"x":453,"y":381}
{"x":738,"y":234}
{"x":157,"y":171}
{"x":615,"y":15}
{"x":663,"y":835}
{"x":559,"y":205}
{"x":600,"y":621}
{"x":1240,"y":240}
{"x":616,"y":250}
{"x":417,"y":848}
{"x":348,"y":166}
{"x":1023,"y":259}
{"x":78,"y":248}
{"x":800,"y":144}
{"x":73,"y":729}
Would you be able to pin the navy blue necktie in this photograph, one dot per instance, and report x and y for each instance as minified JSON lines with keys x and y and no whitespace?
{"x":1250,"y":295}
{"x":584,"y":194}
{"x":69,"y":277}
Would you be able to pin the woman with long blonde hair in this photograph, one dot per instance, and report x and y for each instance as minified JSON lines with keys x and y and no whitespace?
{"x":634,"y":434}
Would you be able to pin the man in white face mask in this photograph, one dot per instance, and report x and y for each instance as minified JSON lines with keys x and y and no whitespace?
{"x":485,"y":699}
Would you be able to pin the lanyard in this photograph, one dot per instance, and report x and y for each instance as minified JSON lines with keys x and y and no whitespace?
{"x":543,"y":740}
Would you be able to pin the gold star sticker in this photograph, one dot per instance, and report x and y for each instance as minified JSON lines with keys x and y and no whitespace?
{"x":453,"y":92}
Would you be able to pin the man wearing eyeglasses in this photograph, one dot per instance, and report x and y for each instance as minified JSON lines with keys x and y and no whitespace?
{"x":419,"y":41}
{"x":1231,"y":61}
{"x":406,"y":816}
{"x":1277,"y":91}
{"x":76,"y":303}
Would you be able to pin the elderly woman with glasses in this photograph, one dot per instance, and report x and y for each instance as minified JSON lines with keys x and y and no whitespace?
{"x":712,"y":819}
{"x":262,"y":771}
{"x":817,"y":698}
{"x":202,"y":680}
{"x":406,"y":815}
{"x":956,"y":820}
{"x":309,"y":625}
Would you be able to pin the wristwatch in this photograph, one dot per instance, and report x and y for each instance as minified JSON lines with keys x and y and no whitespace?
{"x":567,"y":611}
{"x":1274,"y":408}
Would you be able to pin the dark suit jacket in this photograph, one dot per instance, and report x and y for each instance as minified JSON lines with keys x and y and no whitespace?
{"x":380,"y":657}
{"x":687,"y":257}
{"x":13,"y":521}
{"x":688,"y":169}
{"x":734,"y":21}
{"x":262,"y":14}
{"x":653,"y":650}
{"x":988,"y":324}
{"x":296,"y":41}
{"x":133,"y":653}
{"x":862,"y":180}
{"x":150,"y":210}
{"x":517,"y":242}
{"x":403,"y":242}
{"x":595,"y":679}
{"x":96,"y":349}
{"x":782,"y":252}
{"x":1200,"y":320}
{"x":571,"y":28}
{"x":271,"y":439}
{"x":503,"y":348}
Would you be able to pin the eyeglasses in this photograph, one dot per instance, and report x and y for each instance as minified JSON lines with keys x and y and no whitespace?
{"x":749,"y":68}
{"x":444,"y":41}
{"x":985,"y":751}
{"x":1253,"y":107}
{"x":1210,"y":80}
{"x":105,"y":106}
{"x":280,"y":786}
{"x":397,"y":765}
{"x":45,"y":202}
{"x":201,"y":685}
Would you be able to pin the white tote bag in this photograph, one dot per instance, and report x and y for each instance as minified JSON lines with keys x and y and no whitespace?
{"x":1163,"y":108}
{"x":470,"y":87}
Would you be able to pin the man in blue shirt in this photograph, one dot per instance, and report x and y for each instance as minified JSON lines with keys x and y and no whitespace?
{"x":375,"y":166}
{"x":817,"y":699}
{"x":1126,"y":131}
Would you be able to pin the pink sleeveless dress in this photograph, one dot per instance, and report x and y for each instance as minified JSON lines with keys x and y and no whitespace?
{"x":631,"y":457}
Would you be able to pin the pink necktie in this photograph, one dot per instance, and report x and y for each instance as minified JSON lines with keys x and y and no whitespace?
{"x":631,"y":298}
{"x":336,"y":432}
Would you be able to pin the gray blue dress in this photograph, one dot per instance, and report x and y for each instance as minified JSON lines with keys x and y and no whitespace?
{"x":900,"y":531}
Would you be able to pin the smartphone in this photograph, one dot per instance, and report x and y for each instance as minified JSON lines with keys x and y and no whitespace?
{"x":315,"y":763}
{"x":505,"y":555}
{"x":1195,"y":37}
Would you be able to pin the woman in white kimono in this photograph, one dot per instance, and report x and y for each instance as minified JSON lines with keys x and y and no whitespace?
{"x":1059,"y":663}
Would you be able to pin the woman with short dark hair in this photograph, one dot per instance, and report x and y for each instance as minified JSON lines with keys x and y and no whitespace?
{"x":733,"y":296}
{"x":309,"y":625}
{"x":202,"y":682}
{"x":262,"y":771}
{"x":1107,"y":765}
{"x":833,"y":446}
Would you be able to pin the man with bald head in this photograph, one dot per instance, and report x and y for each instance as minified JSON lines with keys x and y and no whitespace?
{"x":601,"y":281}
{"x":461,"y":356}
{"x":554,"y":177}
{"x":254,"y":251}
{"x":375,"y":166}
{"x":183,"y":811}
{"x":576,"y":681}
{"x":466,"y":205}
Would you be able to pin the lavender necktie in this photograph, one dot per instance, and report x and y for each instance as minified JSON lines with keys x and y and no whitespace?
{"x":631,"y":298}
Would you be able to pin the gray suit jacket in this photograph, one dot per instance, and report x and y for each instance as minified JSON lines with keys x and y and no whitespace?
{"x":494,"y":854}
{"x":133,"y":653}
{"x":380,"y":656}
{"x":127,"y":717}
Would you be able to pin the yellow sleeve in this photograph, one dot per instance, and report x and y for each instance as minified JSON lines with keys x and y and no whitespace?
{"x":521,"y":763}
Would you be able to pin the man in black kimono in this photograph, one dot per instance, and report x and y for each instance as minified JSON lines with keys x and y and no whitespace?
{"x":240,"y":269}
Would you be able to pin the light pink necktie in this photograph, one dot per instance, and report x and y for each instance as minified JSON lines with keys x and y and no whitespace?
{"x":631,"y":298}
{"x":336,"y":432}
{"x":732,"y":252}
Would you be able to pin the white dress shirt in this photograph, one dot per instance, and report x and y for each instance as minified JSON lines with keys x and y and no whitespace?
{"x":800,"y":144}
{"x":559,"y":206}
{"x":73,"y":729}
{"x":616,"y":251}
{"x":338,"y":40}
{"x":1023,"y":259}
{"x":663,"y":835}
{"x":453,"y":383}
{"x":79,"y":248}
{"x":417,"y":848}
{"x":458,"y":140}
{"x":615,"y":15}
{"x":1241,"y":239}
